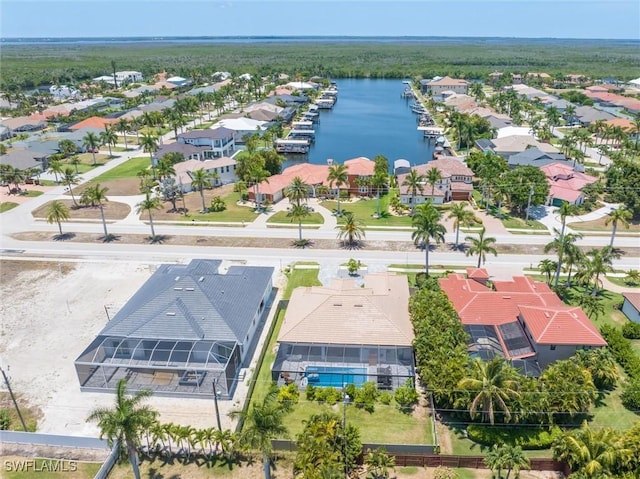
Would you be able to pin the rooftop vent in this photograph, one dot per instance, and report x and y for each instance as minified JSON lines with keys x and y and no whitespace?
{"x":201,"y":279}
{"x":171,"y":314}
{"x":546,"y":313}
{"x":177,"y":289}
{"x":357,"y":306}
{"x":506,"y":297}
{"x":337,"y":304}
{"x":177,"y":278}
{"x":189,"y":289}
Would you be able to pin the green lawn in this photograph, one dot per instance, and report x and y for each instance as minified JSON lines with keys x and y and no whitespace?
{"x":296,"y":278}
{"x":232,"y":214}
{"x":364,"y":210}
{"x":466,"y":447}
{"x":43,"y":468}
{"x":621,"y":282}
{"x":385,"y":425}
{"x":281,"y":218}
{"x":7,"y":205}
{"x":33,"y":193}
{"x":611,"y":413}
{"x":519,"y":223}
{"x":128,"y":169}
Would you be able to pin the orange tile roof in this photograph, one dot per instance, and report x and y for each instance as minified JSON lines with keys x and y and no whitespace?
{"x":624,"y":123}
{"x":477,"y":273}
{"x":360,"y":166}
{"x":563,"y":325}
{"x":93,"y":122}
{"x":634,"y":299}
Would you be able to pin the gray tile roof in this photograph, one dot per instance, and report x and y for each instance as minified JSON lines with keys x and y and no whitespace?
{"x":534,"y":157}
{"x":193,"y":302}
{"x":217,"y":134}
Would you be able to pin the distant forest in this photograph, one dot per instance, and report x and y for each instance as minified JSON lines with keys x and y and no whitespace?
{"x":25,"y":66}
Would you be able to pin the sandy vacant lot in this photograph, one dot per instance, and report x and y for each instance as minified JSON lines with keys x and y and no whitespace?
{"x":50,"y":312}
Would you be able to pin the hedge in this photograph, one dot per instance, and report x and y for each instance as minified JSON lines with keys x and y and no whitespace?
{"x":525,"y":437}
{"x":622,"y":350}
{"x":631,"y":330}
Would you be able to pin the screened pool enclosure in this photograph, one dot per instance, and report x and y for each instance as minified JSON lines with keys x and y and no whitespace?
{"x":337,"y":365}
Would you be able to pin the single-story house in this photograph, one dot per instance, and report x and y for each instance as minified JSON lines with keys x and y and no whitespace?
{"x":510,"y":145}
{"x":535,"y":157}
{"x":25,"y":159}
{"x":219,"y":141}
{"x":93,"y":122}
{"x":178,"y":81}
{"x":224,"y":167}
{"x":22,"y":124}
{"x":565,"y":183}
{"x":455,"y":183}
{"x":186,"y":332}
{"x":513,"y":131}
{"x":631,"y":306}
{"x":521,"y":320}
{"x":587,"y":115}
{"x":346,"y":334}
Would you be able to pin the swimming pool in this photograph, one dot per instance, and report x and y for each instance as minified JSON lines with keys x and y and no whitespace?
{"x":334,"y":376}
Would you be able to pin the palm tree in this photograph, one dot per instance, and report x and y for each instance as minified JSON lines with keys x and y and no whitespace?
{"x":461,"y":217}
{"x":108,"y":137}
{"x":633,"y":277}
{"x":297,"y":213}
{"x":547,"y":267}
{"x":352,"y":230}
{"x":200,"y":181}
{"x":70,"y":178}
{"x":12,"y":175}
{"x":481,"y":246}
{"x":427,"y":226}
{"x":98,"y":195}
{"x":566,"y":209}
{"x":57,"y":213}
{"x":494,"y":384}
{"x":338,"y":176}
{"x":378,"y":463}
{"x":165,"y":168}
{"x":91,"y":142}
{"x":592,"y":305}
{"x":149,"y":143}
{"x":495,"y":460}
{"x":414,"y":182}
{"x":297,"y":191}
{"x":514,"y":459}
{"x":619,"y":215}
{"x":432,"y":177}
{"x":125,"y":422}
{"x":257,"y":174}
{"x":378,"y":182}
{"x":593,"y":452}
{"x":565,"y":243}
{"x":596,"y":263}
{"x":55,"y":167}
{"x":263,"y":422}
{"x":149,"y":204}
{"x":123,"y":126}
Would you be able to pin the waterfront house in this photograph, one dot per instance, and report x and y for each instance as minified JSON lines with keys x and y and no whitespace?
{"x":631,"y":306}
{"x":455,"y":183}
{"x":565,"y":183}
{"x":521,"y":320}
{"x":186,"y":332}
{"x":511,"y":145}
{"x":218,"y":141}
{"x":242,"y":127}
{"x":437,"y":86}
{"x":586,"y":115}
{"x":344,"y":333}
{"x":535,"y":157}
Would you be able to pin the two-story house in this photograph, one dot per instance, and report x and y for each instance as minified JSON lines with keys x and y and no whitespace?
{"x":219,"y":141}
{"x":455,"y":183}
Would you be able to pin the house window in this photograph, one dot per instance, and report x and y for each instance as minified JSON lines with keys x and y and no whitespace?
{"x":552,"y":347}
{"x":227,"y":169}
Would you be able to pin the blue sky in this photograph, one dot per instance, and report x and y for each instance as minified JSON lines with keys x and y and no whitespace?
{"x":616,"y":19}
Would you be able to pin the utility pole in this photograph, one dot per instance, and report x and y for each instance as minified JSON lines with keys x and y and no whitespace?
{"x":215,"y":402}
{"x":13,"y":398}
{"x":529,"y":202}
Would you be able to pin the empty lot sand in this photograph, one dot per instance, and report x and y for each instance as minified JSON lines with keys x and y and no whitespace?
{"x":50,"y":313}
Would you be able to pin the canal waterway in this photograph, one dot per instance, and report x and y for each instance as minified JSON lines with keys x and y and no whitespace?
{"x":370,"y":118}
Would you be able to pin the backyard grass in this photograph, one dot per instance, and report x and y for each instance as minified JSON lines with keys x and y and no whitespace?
{"x":385,"y":425}
{"x":281,"y":218}
{"x":128,"y":169}
{"x":7,"y":205}
{"x":364,"y":210}
{"x":44,"y":468}
{"x":611,"y":413}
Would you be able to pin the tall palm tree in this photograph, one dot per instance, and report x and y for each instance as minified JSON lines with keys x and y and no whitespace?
{"x":593,"y":452}
{"x":108,"y":137}
{"x":55,"y":167}
{"x":565,"y":243}
{"x":257,"y":174}
{"x":426,"y":226}
{"x":165,"y":168}
{"x":200,"y":181}
{"x":338,"y":176}
{"x":494,"y":384}
{"x":414,"y":182}
{"x":462,"y":217}
{"x":547,"y":267}
{"x":378,"y":182}
{"x":91,"y":142}
{"x":620,"y":215}
{"x":432,"y":177}
{"x":98,"y":195}
{"x":297,"y":191}
{"x":352,"y":230}
{"x":149,"y":203}
{"x":123,"y":126}
{"x":514,"y":459}
{"x":57,"y":213}
{"x":125,"y":421}
{"x":566,"y":209}
{"x":263,"y":422}
{"x":149,"y":143}
{"x":70,"y":178}
{"x":298,"y":213}
{"x":596,"y":262}
{"x":481,"y":246}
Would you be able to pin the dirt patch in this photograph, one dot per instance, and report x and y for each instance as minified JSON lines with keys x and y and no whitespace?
{"x":10,"y":270}
{"x":112,"y":211}
{"x":120,"y":187}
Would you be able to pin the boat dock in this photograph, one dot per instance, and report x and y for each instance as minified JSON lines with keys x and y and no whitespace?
{"x":302,"y":125}
{"x":309,"y":135}
{"x":325,"y":103}
{"x":292,"y":146}
{"x":431,"y":132}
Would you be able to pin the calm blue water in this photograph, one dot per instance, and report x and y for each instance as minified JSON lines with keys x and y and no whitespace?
{"x":369,"y":119}
{"x":335,"y":376}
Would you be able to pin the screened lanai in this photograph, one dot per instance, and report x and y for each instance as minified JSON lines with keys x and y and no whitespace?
{"x":163,"y":366}
{"x":337,"y":365}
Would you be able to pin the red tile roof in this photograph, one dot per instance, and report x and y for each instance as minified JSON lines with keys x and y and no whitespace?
{"x":477,"y":273}
{"x":93,"y":122}
{"x":562,"y":326}
{"x":634,"y":299}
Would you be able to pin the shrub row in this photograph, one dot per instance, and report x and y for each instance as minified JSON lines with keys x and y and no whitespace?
{"x":622,"y":350}
{"x":525,"y":437}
